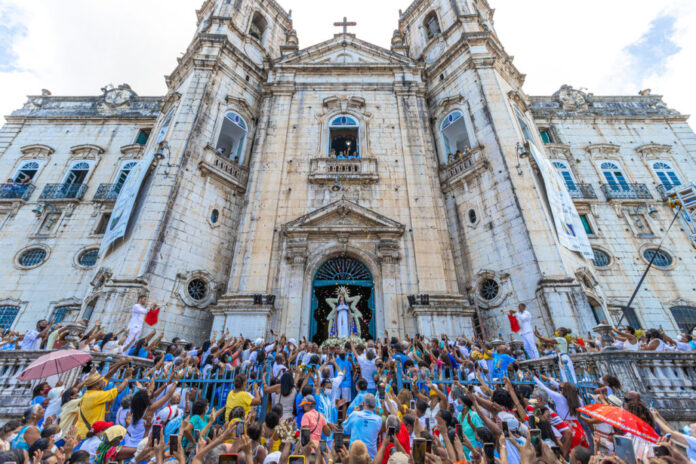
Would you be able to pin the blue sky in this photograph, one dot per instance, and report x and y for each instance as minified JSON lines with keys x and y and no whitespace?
{"x":75,"y":47}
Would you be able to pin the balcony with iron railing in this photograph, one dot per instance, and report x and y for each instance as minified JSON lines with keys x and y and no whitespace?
{"x":59,"y":192}
{"x":360,"y":170}
{"x":582,"y":192}
{"x":626,"y":192}
{"x":16,"y":192}
{"x":107,"y":192}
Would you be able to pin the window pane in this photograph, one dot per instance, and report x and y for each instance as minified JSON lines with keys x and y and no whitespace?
{"x":685,"y":316}
{"x":7,"y":316}
{"x":632,"y":318}
{"x":586,"y":224}
{"x":545,"y":136}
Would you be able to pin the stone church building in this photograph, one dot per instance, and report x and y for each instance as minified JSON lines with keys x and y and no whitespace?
{"x":415,"y":176}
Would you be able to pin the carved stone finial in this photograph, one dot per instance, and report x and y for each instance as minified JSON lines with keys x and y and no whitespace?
{"x":45,"y":92}
{"x":571,"y":99}
{"x":397,"y":38}
{"x":292,"y":39}
{"x":117,"y":96}
{"x":645,"y":92}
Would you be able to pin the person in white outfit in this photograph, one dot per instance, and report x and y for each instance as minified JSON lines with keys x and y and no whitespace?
{"x":524,"y":318}
{"x":135,"y":326}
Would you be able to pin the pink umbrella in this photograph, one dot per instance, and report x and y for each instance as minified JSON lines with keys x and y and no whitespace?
{"x":55,"y":362}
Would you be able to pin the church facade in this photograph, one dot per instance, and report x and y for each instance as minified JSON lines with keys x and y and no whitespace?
{"x":415,"y":178}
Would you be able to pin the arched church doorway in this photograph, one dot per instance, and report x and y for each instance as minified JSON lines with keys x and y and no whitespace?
{"x":356,"y":278}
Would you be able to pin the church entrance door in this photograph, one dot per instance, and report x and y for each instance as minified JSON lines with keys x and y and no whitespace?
{"x":341,"y":272}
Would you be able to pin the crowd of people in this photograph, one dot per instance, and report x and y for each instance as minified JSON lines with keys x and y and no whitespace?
{"x":14,"y":188}
{"x":413,"y":400}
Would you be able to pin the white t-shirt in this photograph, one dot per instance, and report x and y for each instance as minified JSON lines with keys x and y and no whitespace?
{"x":525,"y":320}
{"x":367,"y":370}
{"x":31,"y":341}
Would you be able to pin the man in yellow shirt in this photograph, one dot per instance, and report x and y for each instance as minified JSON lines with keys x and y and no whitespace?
{"x":92,"y":406}
{"x":240,"y":397}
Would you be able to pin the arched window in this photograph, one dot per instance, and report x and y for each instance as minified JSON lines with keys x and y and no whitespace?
{"x":455,"y":137}
{"x":27,"y":172}
{"x":233,"y":134}
{"x":614,"y":176}
{"x":344,"y":137}
{"x":74,"y":179}
{"x":123,"y":175}
{"x":567,"y":175}
{"x":668,"y":178}
{"x":431,"y":25}
{"x":258,"y":26}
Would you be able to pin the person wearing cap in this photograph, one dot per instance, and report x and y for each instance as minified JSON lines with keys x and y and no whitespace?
{"x":313,"y":419}
{"x":94,"y":438}
{"x":92,"y":406}
{"x":365,"y":425}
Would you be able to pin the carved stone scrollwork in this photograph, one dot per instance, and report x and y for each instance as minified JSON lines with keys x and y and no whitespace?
{"x":519,"y":99}
{"x":388,"y":251}
{"x":571,"y":99}
{"x":297,"y":250}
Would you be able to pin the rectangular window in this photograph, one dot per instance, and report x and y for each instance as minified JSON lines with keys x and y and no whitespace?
{"x":142,"y":137}
{"x":7,"y":316}
{"x":60,"y":312}
{"x":545,"y":135}
{"x":586,"y":224}
{"x":632,"y":318}
{"x":102,"y":224}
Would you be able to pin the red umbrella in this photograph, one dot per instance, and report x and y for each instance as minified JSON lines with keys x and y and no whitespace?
{"x":622,"y":420}
{"x":55,"y":362}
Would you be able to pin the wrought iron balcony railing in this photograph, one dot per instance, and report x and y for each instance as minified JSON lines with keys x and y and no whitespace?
{"x":582,"y":192}
{"x":63,"y":192}
{"x":107,"y":192}
{"x":626,"y":192}
{"x":13,"y":191}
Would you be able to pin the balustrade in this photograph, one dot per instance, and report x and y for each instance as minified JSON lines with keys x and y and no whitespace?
{"x":108,"y":192}
{"x":12,"y":191}
{"x":582,"y":192}
{"x":324,"y":170}
{"x":463,"y":167}
{"x":63,"y":192}
{"x":223,"y":169}
{"x":626,"y":192}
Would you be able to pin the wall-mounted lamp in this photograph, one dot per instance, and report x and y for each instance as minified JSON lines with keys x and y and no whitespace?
{"x":652,"y":211}
{"x":522,"y":153}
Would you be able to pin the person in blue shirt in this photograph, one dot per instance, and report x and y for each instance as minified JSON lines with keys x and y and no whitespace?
{"x":361,"y":386}
{"x":306,"y":390}
{"x":346,"y":365}
{"x":501,"y":361}
{"x":399,"y":355}
{"x":365,"y":425}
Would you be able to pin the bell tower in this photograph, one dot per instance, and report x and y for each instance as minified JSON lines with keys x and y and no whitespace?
{"x":183,"y":231}
{"x":505,"y":242}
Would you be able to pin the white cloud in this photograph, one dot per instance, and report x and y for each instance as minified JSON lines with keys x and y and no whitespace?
{"x":75,"y":47}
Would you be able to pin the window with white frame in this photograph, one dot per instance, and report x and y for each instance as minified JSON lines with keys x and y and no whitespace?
{"x":76,"y":176}
{"x":567,"y":175}
{"x":123,"y":175}
{"x":454,"y":133}
{"x":27,"y":171}
{"x":233,"y":135}
{"x":664,"y":172}
{"x":614,"y":176}
{"x":344,"y":137}
{"x":8,"y":313}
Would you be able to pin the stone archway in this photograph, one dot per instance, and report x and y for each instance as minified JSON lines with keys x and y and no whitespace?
{"x":342,"y":271}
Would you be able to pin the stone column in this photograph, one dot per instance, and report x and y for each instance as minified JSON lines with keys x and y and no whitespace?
{"x":389,"y":258}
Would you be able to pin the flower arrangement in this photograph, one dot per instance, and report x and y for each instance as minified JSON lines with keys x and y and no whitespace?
{"x":342,"y":342}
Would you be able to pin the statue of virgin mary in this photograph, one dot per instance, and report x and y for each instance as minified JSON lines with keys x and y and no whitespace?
{"x":344,"y":320}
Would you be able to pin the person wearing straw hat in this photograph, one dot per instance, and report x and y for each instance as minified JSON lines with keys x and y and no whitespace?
{"x":92,"y":406}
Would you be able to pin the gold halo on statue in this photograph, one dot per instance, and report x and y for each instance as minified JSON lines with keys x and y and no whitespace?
{"x":342,"y":290}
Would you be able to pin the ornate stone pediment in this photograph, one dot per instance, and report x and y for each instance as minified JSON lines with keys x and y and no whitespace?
{"x":653,"y":149}
{"x":602,"y":149}
{"x":571,"y":99}
{"x":37,"y":151}
{"x":343,"y":217}
{"x":345,"y":50}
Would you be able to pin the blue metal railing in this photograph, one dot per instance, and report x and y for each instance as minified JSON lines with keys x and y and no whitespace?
{"x":14,"y":191}
{"x":63,"y":191}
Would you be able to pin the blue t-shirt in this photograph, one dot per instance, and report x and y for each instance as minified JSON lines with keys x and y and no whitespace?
{"x":402,"y":358}
{"x":364,"y":426}
{"x":501,"y":362}
{"x":347,"y":367}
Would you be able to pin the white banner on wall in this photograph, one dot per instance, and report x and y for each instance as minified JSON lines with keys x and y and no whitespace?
{"x":571,"y":232}
{"x":120,"y":216}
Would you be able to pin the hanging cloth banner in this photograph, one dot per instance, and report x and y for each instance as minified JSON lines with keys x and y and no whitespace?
{"x":571,"y":232}
{"x":120,"y":216}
